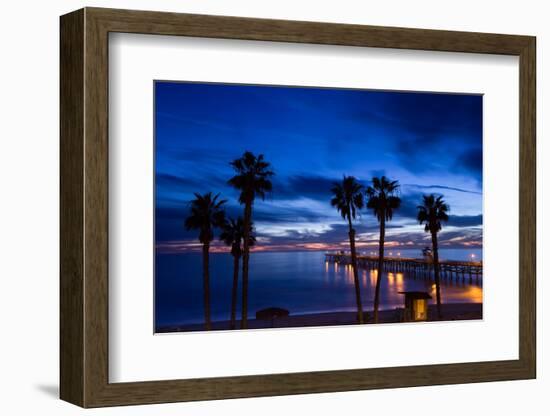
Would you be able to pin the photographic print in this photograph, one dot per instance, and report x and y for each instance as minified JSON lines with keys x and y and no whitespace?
{"x":285,"y":206}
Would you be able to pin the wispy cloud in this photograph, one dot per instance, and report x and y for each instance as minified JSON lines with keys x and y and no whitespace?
{"x":442,"y":188}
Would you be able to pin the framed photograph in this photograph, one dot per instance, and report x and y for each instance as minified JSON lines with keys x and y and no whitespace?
{"x":263,"y":207}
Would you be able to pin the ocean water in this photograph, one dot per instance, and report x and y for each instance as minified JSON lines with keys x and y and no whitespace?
{"x":301,"y":282}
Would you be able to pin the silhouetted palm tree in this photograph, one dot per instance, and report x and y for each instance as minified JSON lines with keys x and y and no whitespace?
{"x":432,"y":213}
{"x":382,"y":199}
{"x":252,"y":179}
{"x":232,"y":235}
{"x":206,"y":214}
{"x":348,"y":200}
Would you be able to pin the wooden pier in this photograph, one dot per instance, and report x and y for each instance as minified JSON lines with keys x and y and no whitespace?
{"x":449,"y":269}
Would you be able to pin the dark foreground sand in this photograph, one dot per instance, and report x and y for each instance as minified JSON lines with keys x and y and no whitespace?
{"x":451,"y":312}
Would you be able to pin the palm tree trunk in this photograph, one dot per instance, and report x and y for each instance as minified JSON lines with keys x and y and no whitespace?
{"x":380,"y":267}
{"x":436,"y":274}
{"x":355,"y":273}
{"x":206,"y":285}
{"x":246,"y":235}
{"x":234,"y":290}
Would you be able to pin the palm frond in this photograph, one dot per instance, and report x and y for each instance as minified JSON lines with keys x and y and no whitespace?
{"x":433,"y":211}
{"x":347,"y":197}
{"x":252,"y":175}
{"x":382,"y":198}
{"x":206,"y":213}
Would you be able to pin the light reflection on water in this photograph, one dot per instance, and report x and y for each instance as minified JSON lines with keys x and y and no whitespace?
{"x":301,"y":282}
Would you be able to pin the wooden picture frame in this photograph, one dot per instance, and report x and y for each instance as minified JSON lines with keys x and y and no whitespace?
{"x":84,"y":207}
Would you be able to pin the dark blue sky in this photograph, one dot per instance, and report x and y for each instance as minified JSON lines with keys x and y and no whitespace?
{"x":431,"y":143}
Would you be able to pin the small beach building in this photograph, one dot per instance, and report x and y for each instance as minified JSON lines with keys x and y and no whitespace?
{"x":272,"y":314}
{"x":416,"y":306}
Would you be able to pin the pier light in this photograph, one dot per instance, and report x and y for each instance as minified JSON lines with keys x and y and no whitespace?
{"x":473,"y":256}
{"x":399,"y":254}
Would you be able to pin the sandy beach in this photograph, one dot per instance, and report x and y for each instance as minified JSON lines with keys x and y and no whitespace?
{"x":451,"y":312}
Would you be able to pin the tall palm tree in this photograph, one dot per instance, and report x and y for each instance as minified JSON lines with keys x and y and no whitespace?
{"x":252,"y":175}
{"x":348,"y":200}
{"x":432,"y":212}
{"x":383,"y":201}
{"x":206,"y":214}
{"x":232,"y":235}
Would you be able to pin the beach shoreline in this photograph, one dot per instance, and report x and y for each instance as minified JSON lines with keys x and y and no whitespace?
{"x":450,"y":312}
